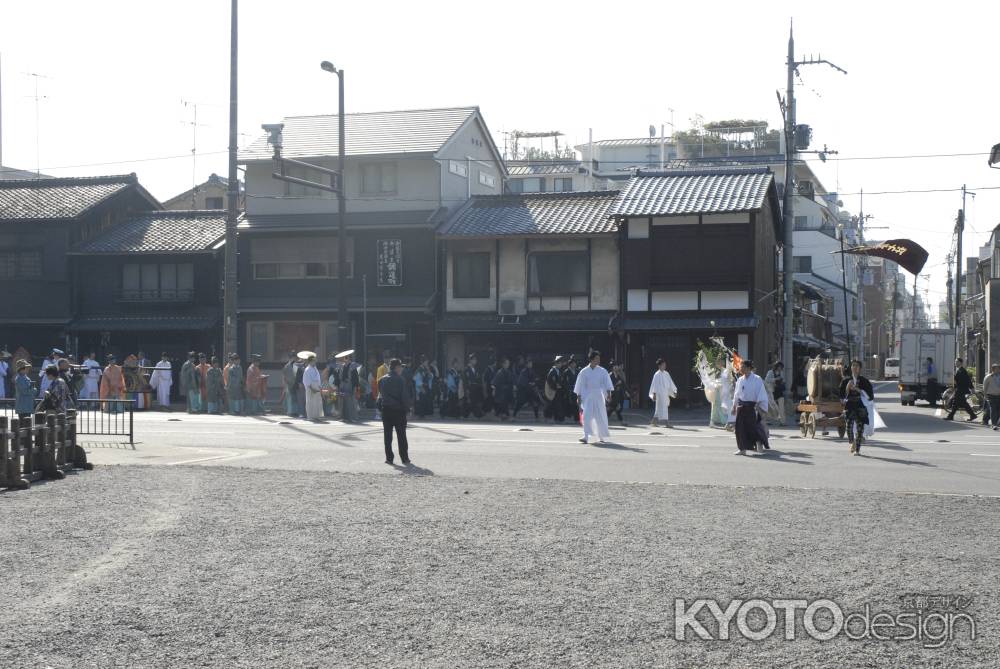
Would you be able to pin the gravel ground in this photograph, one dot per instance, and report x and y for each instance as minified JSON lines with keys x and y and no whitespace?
{"x":224,"y":567}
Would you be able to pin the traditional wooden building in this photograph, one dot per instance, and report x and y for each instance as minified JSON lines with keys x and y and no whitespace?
{"x":404,"y":171}
{"x":529,"y":274}
{"x":40,"y":221}
{"x":699,"y":259}
{"x":151,"y":284}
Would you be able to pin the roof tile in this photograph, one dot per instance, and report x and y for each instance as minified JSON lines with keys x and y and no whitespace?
{"x":369,"y":133}
{"x":571,"y":213}
{"x":54,"y":199}
{"x":178,"y":231}
{"x":705,"y":191}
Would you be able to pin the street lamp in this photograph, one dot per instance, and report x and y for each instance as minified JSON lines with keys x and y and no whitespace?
{"x":342,"y":317}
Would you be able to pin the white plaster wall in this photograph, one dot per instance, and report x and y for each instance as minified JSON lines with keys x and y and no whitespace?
{"x":604,"y":275}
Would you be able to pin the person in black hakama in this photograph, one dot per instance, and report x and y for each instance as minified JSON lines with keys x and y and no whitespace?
{"x":749,"y":401}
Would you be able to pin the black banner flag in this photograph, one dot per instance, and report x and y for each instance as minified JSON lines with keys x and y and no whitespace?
{"x":908,"y":254}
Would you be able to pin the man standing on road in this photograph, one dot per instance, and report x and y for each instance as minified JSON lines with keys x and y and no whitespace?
{"x":555,"y":393}
{"x":235,"y":385}
{"x":963,"y":386}
{"x":394,"y":402}
{"x":313,"y":383}
{"x":749,"y":399}
{"x":288,"y":378}
{"x":91,"y":378}
{"x":188,"y":388}
{"x":527,"y":389}
{"x":592,"y":386}
{"x":857,"y":394}
{"x":161,"y":380}
{"x":24,"y":392}
{"x":991,"y":391}
{"x":473,"y":382}
{"x":660,"y":391}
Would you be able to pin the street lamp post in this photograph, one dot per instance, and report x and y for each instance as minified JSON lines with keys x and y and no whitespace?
{"x":342,"y":317}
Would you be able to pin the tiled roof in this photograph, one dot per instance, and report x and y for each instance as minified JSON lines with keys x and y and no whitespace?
{"x":573,"y":213}
{"x":53,"y":199}
{"x":706,"y":191}
{"x":370,"y":133}
{"x":161,"y":232}
{"x":691,"y":323}
{"x":525,"y":169}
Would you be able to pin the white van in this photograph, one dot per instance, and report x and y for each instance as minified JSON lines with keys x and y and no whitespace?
{"x":891,"y":368}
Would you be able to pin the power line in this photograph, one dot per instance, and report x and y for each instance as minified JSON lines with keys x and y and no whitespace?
{"x":118,"y":162}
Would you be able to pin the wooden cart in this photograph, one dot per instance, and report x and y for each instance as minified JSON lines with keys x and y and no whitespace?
{"x":832,"y":415}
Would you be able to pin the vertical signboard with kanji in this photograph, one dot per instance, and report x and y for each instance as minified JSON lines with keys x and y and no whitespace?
{"x":390,"y":262}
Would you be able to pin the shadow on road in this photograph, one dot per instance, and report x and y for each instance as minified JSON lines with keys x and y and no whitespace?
{"x":785,"y":456}
{"x":898,"y":461}
{"x":617,"y":447}
{"x":412,"y":470}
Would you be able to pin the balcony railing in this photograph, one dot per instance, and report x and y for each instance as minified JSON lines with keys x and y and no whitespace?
{"x":154,"y":295}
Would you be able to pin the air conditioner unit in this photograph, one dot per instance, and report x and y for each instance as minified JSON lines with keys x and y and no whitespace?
{"x":512,"y":307}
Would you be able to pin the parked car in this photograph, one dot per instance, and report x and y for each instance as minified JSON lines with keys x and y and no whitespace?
{"x":891,"y":368}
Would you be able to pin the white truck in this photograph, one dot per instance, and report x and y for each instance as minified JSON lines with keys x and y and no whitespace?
{"x":917,"y":379}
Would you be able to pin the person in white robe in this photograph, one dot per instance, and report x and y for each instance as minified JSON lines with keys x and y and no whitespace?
{"x":593,"y":384}
{"x":313,"y":383}
{"x":660,"y":391}
{"x":91,"y":378}
{"x":44,"y":380}
{"x":161,"y":380}
{"x":750,"y":404}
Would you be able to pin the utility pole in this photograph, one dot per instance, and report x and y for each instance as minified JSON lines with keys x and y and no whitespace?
{"x":951,"y":308}
{"x":895,"y":305}
{"x":913,"y":318}
{"x":959,"y":228}
{"x":230,"y":279}
{"x":843,"y":283}
{"x":787,"y":205}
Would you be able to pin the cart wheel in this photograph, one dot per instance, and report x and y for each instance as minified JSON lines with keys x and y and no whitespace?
{"x":812,"y":426}
{"x":841,"y":431}
{"x":804,"y":425}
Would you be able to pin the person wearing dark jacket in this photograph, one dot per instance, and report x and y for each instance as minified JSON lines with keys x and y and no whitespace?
{"x":394,"y":403}
{"x":855,"y":392}
{"x":527,"y":389}
{"x":555,"y":391}
{"x":963,"y":386}
{"x":472,"y":379}
{"x":503,"y":390}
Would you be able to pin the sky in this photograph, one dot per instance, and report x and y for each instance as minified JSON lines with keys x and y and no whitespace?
{"x":120,"y":83}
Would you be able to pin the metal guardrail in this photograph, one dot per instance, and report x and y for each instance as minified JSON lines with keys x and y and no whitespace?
{"x":112,"y":418}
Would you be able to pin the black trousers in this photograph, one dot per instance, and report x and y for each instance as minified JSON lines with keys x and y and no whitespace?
{"x":395,"y":419}
{"x":960,"y":401}
{"x":527,"y":396}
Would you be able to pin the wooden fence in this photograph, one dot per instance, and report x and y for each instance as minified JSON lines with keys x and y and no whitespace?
{"x":41,"y":447}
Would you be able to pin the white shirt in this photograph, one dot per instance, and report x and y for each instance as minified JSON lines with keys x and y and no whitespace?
{"x":93,"y":368}
{"x":311,"y":378}
{"x":592,"y":382}
{"x":161,"y":375}
{"x":750,"y":389}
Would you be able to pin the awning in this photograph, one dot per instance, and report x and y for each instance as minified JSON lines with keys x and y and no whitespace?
{"x":143,"y":323}
{"x":810,"y":342}
{"x":810,"y":291}
{"x":692,"y":323}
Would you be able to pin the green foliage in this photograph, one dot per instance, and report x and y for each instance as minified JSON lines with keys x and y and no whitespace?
{"x":713,"y":352}
{"x":735,"y":124}
{"x":535,"y":153}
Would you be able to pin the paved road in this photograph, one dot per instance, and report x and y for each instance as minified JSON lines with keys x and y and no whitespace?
{"x":918,"y":453}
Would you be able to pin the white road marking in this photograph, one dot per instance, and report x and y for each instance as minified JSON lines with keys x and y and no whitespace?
{"x":986,"y":455}
{"x":231,"y":455}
